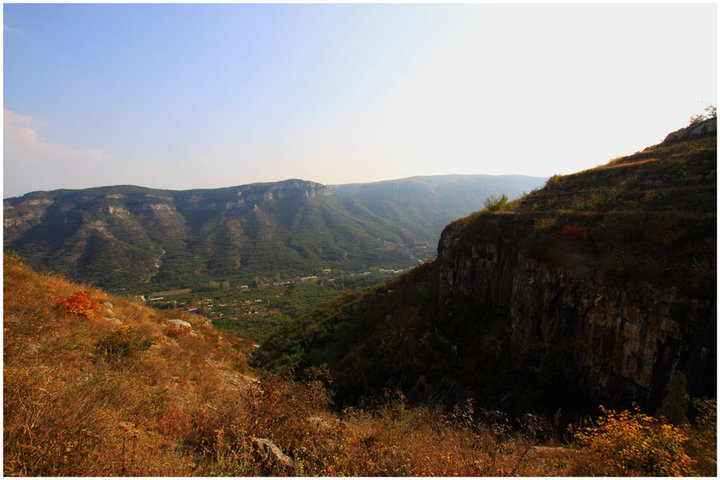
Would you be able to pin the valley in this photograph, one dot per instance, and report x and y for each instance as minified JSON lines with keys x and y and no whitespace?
{"x":257,"y":310}
{"x":488,"y":358}
{"x":368,"y":240}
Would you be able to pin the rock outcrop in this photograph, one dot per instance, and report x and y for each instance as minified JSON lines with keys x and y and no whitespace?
{"x":271,"y":458}
{"x":603,"y":275}
{"x":594,"y":289}
{"x":698,"y":130}
{"x":620,"y":342}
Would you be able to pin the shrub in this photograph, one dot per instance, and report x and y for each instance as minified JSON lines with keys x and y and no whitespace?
{"x":601,"y":200}
{"x":79,"y":304}
{"x":494,"y":203}
{"x":675,"y":405}
{"x":573,"y":233}
{"x":631,"y":443}
{"x":702,"y":446}
{"x":710,"y":112}
{"x":555,"y":180}
{"x":544,"y":224}
{"x":121,"y":343}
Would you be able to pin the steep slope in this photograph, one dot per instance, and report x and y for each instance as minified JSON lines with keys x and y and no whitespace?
{"x":97,"y":385}
{"x":597,"y":287}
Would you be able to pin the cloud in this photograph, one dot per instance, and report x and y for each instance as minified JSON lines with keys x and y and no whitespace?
{"x":32,"y":162}
{"x":9,"y":29}
{"x":23,"y":144}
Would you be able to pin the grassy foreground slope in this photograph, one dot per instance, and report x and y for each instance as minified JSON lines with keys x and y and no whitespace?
{"x":165,"y":402}
{"x":96,"y":385}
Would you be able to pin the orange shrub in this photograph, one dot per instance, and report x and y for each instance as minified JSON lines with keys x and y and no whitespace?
{"x":631,"y":443}
{"x":79,"y":304}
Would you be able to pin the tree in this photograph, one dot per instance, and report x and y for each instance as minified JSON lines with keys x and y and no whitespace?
{"x":675,"y":404}
{"x":710,"y":112}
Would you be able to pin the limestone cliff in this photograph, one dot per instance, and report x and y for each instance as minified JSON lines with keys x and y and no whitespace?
{"x":613,"y":280}
{"x":619,"y":341}
{"x":595,"y":288}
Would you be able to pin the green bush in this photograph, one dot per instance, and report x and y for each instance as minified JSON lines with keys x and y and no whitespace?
{"x":494,"y":203}
{"x":121,"y":343}
{"x":675,"y":405}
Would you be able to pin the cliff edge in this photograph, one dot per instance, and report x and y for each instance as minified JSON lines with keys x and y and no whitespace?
{"x":596,"y":288}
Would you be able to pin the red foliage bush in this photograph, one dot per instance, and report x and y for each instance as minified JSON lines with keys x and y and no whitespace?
{"x":573,"y":234}
{"x":79,"y":304}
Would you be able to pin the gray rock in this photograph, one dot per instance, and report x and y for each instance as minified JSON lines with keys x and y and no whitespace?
{"x":112,"y":321}
{"x":703,"y":129}
{"x":272,"y":460}
{"x":180,"y":324}
{"x":625,"y":345}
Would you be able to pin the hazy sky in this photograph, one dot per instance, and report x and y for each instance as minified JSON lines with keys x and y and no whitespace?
{"x":189,"y":96}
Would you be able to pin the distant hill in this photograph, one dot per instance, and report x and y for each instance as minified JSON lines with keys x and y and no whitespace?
{"x":424,"y":205}
{"x":135,"y":238}
{"x":594,"y":289}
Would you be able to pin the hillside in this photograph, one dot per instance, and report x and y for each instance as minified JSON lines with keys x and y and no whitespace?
{"x":125,"y":237}
{"x":141,"y":239}
{"x":96,"y":385}
{"x":424,"y":205}
{"x":594,"y":289}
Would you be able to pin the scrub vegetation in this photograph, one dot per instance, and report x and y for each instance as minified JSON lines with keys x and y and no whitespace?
{"x":119,"y":393}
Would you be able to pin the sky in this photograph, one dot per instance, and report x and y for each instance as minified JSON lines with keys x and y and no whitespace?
{"x":182,"y":96}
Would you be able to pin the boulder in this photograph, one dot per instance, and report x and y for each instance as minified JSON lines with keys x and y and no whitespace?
{"x":180,"y":324}
{"x":271,"y":458}
{"x":702,"y":129}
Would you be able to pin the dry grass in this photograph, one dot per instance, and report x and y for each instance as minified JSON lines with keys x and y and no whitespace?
{"x":188,"y":405}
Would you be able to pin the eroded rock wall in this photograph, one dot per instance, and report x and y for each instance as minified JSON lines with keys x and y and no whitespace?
{"x":620,"y":342}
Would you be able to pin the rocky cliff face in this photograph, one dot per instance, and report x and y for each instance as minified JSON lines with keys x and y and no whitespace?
{"x":619,"y":342}
{"x":248,"y":195}
{"x":607,"y":275}
{"x":594,"y":289}
{"x":698,"y":130}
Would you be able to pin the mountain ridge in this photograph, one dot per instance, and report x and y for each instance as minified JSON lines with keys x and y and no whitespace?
{"x":129,"y":236}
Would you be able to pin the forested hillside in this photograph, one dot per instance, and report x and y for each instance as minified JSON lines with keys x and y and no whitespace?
{"x":138,"y":239}
{"x":424,"y":205}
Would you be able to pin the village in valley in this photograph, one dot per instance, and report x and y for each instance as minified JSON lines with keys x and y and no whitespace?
{"x":255,"y":309}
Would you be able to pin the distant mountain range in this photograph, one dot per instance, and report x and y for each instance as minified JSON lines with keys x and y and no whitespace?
{"x":424,"y":205}
{"x":136,"y":238}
